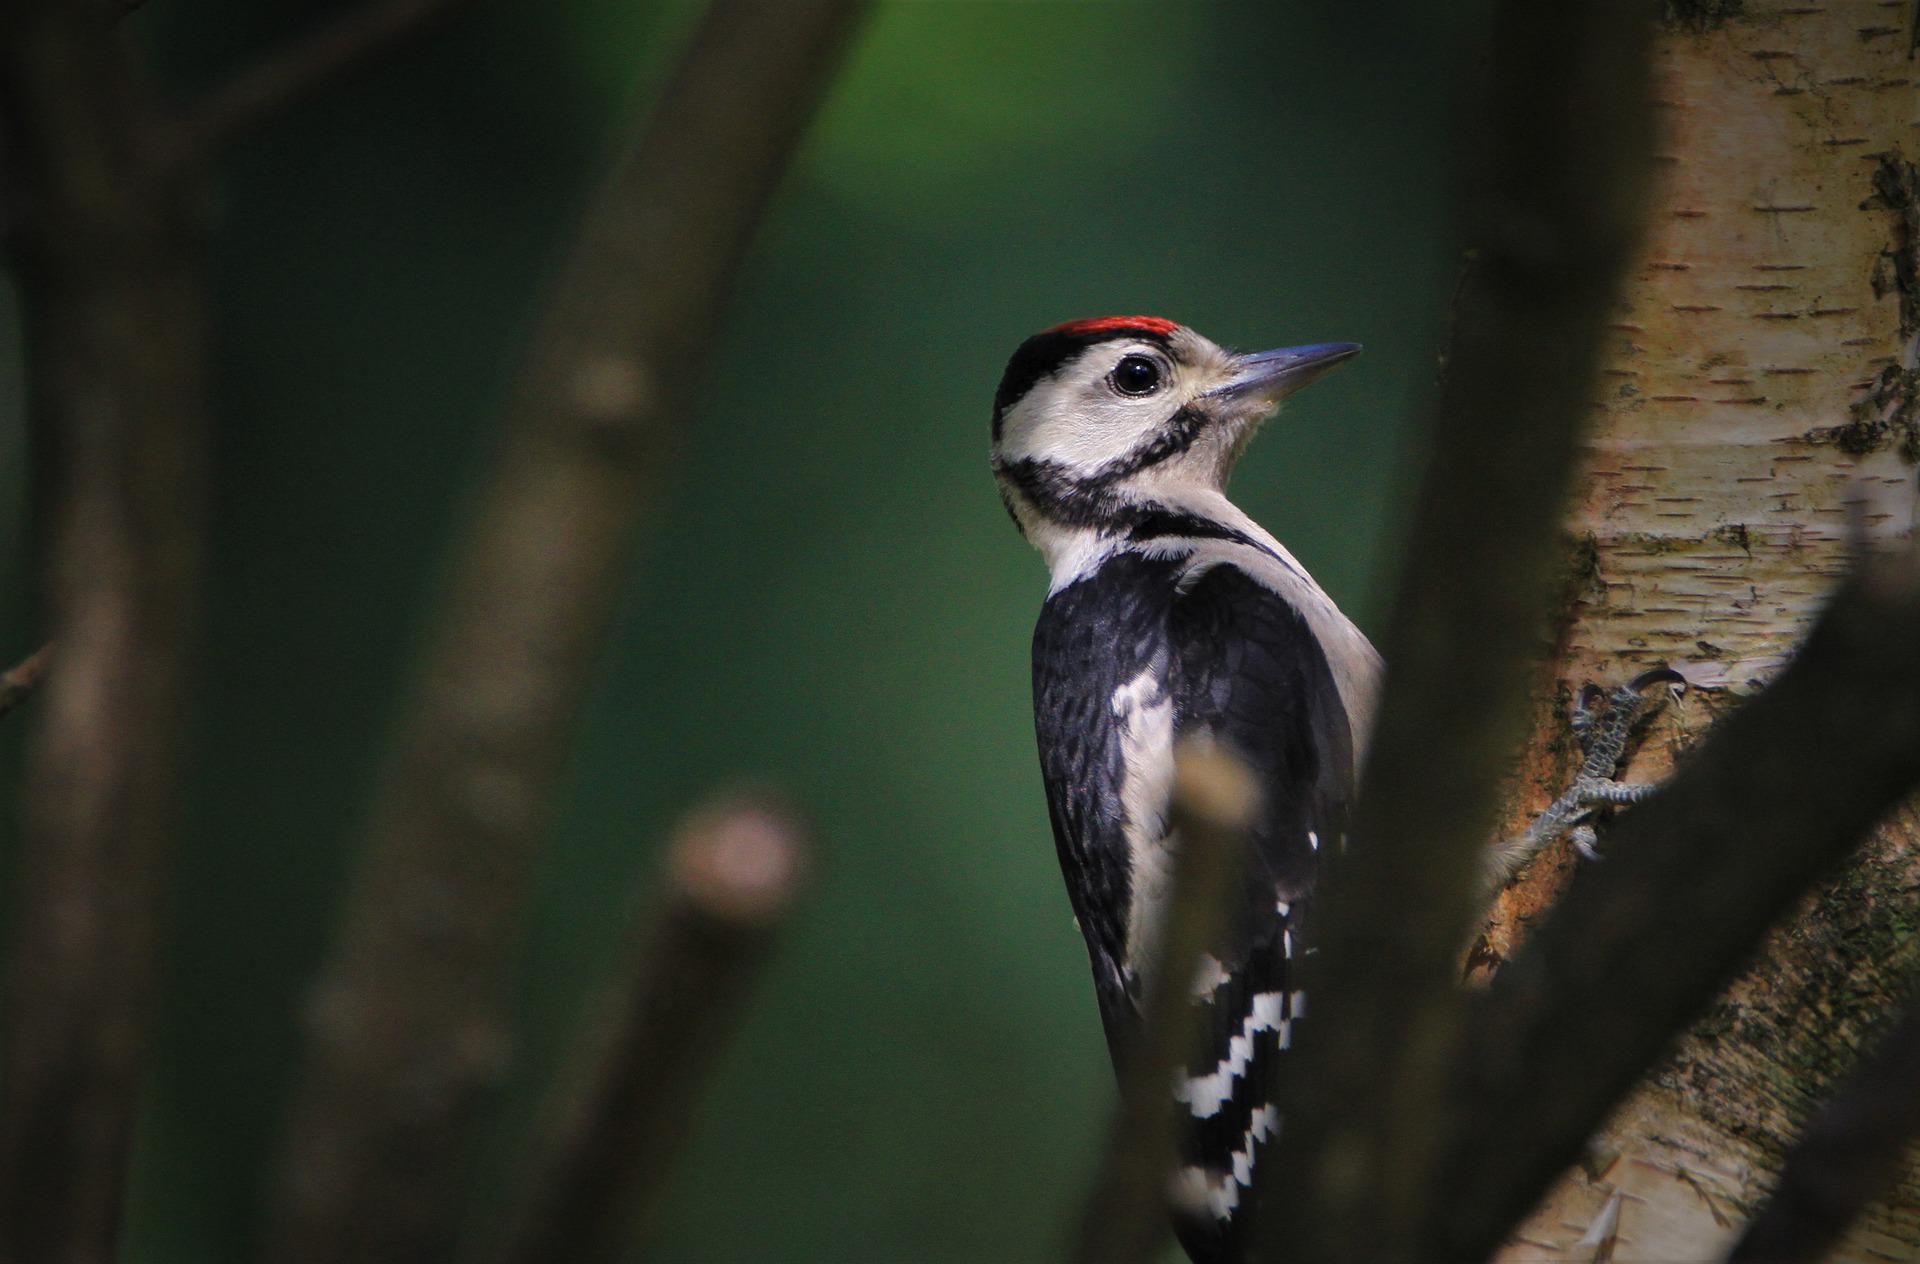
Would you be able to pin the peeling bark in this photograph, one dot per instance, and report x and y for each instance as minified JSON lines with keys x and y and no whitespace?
{"x":1758,"y":398}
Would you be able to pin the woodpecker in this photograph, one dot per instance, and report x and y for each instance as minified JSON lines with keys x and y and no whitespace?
{"x":1171,"y":613}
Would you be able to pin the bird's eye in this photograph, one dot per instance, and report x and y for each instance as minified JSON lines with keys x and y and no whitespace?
{"x":1135,"y":375}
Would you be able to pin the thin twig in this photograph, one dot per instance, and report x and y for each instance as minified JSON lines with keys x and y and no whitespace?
{"x":1553,"y":213}
{"x":407,"y":1024}
{"x":1776,"y":795}
{"x":626,"y":1106}
{"x":1214,"y":802}
{"x":306,"y":65}
{"x":108,"y":255}
{"x":19,"y":683}
{"x":1846,"y":1157}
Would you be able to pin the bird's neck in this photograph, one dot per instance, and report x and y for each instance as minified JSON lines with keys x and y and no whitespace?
{"x":1075,"y":521}
{"x":1166,"y":524}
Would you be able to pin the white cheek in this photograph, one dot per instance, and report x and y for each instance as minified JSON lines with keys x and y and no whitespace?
{"x":1080,"y":428}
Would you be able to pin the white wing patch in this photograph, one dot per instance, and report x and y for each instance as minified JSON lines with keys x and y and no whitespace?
{"x":1145,"y":712}
{"x":1265,"y":1122}
{"x":1200,"y":1190}
{"x":1206,"y":1094}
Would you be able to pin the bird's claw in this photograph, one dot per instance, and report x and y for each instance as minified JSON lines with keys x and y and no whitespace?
{"x":1603,"y":723}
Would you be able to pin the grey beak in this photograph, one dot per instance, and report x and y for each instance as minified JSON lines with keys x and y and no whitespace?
{"x":1270,"y":376}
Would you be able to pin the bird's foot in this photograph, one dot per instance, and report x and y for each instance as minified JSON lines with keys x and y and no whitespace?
{"x":1603,"y":724}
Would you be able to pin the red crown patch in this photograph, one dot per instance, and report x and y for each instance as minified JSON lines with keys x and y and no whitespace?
{"x":1116,"y":324}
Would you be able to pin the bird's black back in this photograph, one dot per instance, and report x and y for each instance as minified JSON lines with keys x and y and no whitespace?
{"x":1236,"y":661}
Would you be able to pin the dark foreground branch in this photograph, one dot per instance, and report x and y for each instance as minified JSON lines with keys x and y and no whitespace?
{"x":1553,"y":214}
{"x":23,"y":678}
{"x":1214,"y":803}
{"x":107,"y":253}
{"x":1777,"y":795}
{"x":1847,"y":1156}
{"x":307,"y":64}
{"x":625,"y":1107}
{"x":407,"y":1025}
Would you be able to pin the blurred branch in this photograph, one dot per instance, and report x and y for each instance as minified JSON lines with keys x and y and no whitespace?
{"x":1776,"y":795}
{"x":20,"y":681}
{"x":733,"y":872}
{"x":344,"y":45}
{"x":1552,"y":214}
{"x":1213,"y":806}
{"x":407,"y":1024}
{"x":1846,"y":1157}
{"x":107,"y":253}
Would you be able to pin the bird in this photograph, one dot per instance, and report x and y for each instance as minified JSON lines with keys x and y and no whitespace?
{"x":1172,"y":615}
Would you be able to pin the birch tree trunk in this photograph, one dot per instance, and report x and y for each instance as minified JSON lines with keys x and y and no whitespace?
{"x":1761,"y":380}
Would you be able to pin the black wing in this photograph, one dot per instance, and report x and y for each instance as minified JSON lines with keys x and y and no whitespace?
{"x":1238,"y":663}
{"x":1094,"y":636}
{"x":1251,"y":675}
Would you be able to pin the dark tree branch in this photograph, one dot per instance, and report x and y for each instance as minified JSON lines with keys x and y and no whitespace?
{"x":627,"y":1104}
{"x":306,"y":65}
{"x":1777,"y":795}
{"x":1553,"y":214}
{"x":1847,"y":1156}
{"x":19,"y":682}
{"x":1213,"y":805}
{"x":407,"y":1026}
{"x":107,"y":252}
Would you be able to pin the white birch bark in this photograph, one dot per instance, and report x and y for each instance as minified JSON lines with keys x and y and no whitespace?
{"x":1760,"y":381}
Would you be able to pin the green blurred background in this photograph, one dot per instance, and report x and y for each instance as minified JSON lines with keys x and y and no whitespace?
{"x":830,"y":596}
